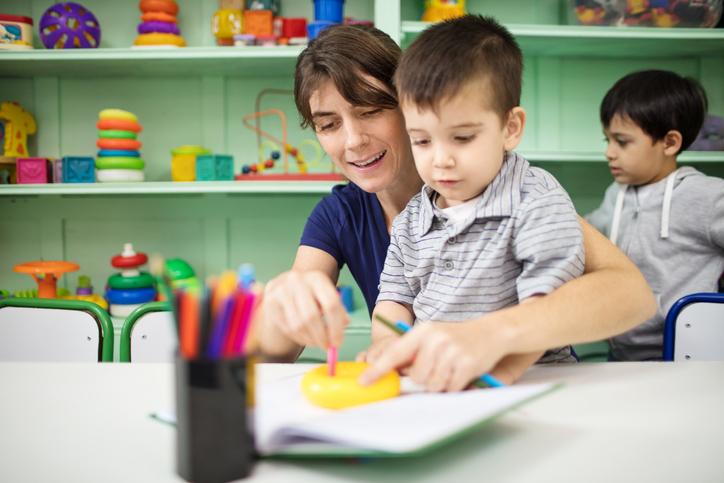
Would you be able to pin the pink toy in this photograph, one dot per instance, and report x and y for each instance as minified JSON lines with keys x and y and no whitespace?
{"x":33,"y":170}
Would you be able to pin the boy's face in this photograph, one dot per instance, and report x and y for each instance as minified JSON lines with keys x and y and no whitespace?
{"x":633,"y":157}
{"x":459,"y":149}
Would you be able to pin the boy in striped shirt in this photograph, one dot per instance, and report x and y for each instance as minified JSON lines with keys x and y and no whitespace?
{"x":487,"y":230}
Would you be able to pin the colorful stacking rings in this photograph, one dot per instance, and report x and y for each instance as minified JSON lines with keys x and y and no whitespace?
{"x":130,"y":296}
{"x":119,"y":282}
{"x":118,"y":158}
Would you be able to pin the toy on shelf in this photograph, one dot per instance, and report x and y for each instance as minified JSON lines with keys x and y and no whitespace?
{"x":648,"y":13}
{"x":68,"y":25}
{"x":76,"y":169}
{"x":118,"y":159}
{"x":33,"y":171}
{"x":438,"y":10}
{"x":711,"y":135}
{"x":16,"y":32}
{"x":252,"y":172}
{"x":18,"y":124}
{"x":130,"y":288}
{"x":326,"y":14}
{"x":183,"y":162}
{"x":227,"y":21}
{"x":159,"y":26}
{"x":84,"y":291}
{"x":46,"y":275}
{"x":7,"y":170}
{"x":214,"y":167}
{"x":181,"y":275}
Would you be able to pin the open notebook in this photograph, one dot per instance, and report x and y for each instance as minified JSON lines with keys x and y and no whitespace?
{"x":286,"y":424}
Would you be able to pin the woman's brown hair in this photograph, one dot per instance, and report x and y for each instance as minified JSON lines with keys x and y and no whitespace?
{"x":344,"y":54}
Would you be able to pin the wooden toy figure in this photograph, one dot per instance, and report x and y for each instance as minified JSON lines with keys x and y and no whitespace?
{"x":18,"y":125}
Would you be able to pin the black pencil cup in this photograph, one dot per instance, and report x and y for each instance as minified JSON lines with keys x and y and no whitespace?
{"x":214,"y":440}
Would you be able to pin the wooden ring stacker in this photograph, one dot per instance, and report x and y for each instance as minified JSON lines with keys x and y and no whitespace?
{"x":342,"y":390}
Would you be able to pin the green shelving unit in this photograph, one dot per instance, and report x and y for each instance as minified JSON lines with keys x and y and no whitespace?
{"x":198,"y":95}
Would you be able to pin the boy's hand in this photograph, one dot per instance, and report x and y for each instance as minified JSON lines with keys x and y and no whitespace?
{"x":441,"y":356}
{"x":375,"y":350}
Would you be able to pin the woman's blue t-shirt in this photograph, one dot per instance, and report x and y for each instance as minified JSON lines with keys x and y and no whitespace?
{"x":349,"y":225}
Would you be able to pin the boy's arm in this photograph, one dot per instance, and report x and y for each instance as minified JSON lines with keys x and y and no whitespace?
{"x":602,"y":217}
{"x":610,"y":298}
{"x":382,"y":336}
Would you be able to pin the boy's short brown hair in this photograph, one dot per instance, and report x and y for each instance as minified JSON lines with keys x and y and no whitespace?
{"x":452,"y":53}
{"x":343,"y":54}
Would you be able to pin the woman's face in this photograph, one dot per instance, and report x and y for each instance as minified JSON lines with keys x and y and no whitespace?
{"x":368,"y":144}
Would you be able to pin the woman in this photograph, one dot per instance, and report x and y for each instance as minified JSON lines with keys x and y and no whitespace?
{"x":343,"y":89}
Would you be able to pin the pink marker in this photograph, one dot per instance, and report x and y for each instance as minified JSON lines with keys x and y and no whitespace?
{"x":331,"y":361}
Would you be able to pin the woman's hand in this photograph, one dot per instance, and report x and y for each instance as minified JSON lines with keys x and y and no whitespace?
{"x":442,"y":356}
{"x":306,"y":308}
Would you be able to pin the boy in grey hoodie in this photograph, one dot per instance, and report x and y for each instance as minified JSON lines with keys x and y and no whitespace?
{"x":668,"y":220}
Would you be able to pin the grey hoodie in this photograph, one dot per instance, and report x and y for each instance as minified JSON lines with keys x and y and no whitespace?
{"x":673,"y":230}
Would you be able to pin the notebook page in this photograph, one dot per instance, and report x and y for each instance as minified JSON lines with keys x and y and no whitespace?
{"x":400,"y":425}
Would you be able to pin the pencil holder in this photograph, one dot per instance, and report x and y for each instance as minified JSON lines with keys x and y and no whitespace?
{"x":214,"y":440}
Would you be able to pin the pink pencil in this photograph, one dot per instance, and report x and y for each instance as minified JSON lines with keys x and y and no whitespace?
{"x":331,"y":361}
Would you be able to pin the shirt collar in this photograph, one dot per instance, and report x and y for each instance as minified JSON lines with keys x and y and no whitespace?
{"x":500,"y":198}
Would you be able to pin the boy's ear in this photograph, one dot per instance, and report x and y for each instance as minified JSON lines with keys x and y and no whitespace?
{"x":514,"y":128}
{"x":672,"y":142}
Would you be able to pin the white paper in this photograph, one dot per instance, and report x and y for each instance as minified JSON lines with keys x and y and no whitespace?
{"x":285,"y":419}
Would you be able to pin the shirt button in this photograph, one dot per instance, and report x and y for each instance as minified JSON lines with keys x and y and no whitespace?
{"x":448,"y":265}
{"x":452,"y":240}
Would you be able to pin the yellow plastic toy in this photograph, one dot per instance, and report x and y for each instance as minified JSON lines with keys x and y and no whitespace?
{"x":183,"y":162}
{"x":438,"y":10}
{"x":342,"y":390}
{"x":227,"y":22}
{"x":18,"y":125}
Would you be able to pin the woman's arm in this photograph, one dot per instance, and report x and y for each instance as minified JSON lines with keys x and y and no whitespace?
{"x":302,"y":307}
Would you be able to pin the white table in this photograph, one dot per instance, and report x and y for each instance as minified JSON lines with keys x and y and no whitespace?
{"x":611,"y":422}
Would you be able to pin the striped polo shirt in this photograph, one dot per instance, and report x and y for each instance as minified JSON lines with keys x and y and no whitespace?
{"x":523,"y":238}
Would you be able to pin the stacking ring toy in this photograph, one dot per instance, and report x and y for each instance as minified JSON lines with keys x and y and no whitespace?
{"x":159,"y":39}
{"x":119,"y":175}
{"x":342,"y":390}
{"x":117,"y":114}
{"x":122,"y":124}
{"x":118,"y":281}
{"x":116,"y":134}
{"x":158,"y":17}
{"x":119,"y":162}
{"x":133,"y":261}
{"x":160,"y":27}
{"x":131,"y":296}
{"x":124,"y":144}
{"x":122,"y":310}
{"x":166,"y":6}
{"x":117,"y":152}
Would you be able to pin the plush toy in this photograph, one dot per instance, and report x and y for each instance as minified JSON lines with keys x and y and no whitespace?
{"x":711,"y":135}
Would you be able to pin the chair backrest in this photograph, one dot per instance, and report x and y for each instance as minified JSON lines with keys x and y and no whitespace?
{"x":148,"y":334}
{"x":694,"y":328}
{"x":54,"y":330}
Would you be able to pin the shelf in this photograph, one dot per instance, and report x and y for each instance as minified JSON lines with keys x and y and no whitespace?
{"x":598,"y":157}
{"x":584,"y":41}
{"x":232,"y":61}
{"x":170,"y":188}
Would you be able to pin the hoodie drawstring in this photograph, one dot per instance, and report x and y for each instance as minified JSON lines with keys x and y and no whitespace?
{"x":666,"y":207}
{"x":617,"y":213}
